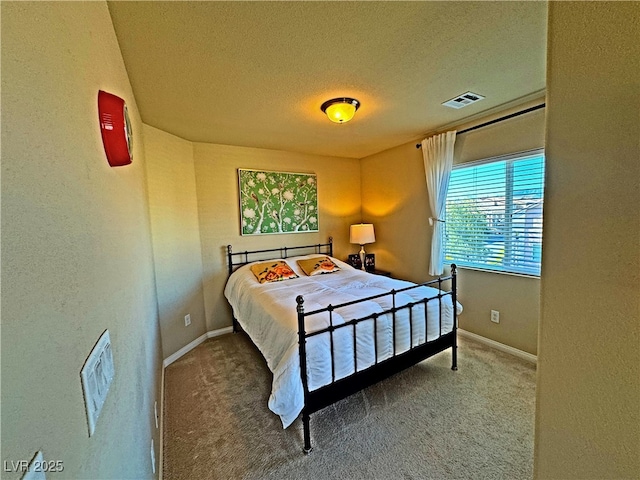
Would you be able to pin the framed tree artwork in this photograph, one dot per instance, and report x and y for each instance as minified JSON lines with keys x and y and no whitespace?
{"x":277,"y":202}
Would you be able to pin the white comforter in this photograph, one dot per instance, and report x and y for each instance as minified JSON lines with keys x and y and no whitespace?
{"x":267,"y":313}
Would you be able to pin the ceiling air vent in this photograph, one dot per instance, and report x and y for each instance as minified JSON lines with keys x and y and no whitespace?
{"x":463,"y":100}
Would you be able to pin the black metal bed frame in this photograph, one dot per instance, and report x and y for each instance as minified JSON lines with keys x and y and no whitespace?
{"x":250,"y":256}
{"x":324,"y":396}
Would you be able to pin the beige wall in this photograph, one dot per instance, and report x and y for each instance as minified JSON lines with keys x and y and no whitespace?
{"x":516,"y":298}
{"x":76,"y":248}
{"x":394,"y":199}
{"x":194,"y":206}
{"x":588,"y":391}
{"x":218,"y":206}
{"x":173,"y":208}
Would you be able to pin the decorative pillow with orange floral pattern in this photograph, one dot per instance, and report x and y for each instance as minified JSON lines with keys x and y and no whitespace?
{"x":273,"y":271}
{"x":318,"y":265}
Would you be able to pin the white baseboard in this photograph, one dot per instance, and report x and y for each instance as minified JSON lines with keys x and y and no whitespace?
{"x":499,"y":346}
{"x":190,"y":346}
{"x":220,"y":331}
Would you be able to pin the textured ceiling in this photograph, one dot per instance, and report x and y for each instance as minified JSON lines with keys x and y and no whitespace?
{"x":255,"y":73}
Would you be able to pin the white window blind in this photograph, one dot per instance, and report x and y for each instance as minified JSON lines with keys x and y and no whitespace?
{"x":494,"y":214}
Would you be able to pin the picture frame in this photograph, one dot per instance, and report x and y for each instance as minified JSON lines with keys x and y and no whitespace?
{"x":370,"y":262}
{"x":354,"y":261}
{"x":274,"y":202}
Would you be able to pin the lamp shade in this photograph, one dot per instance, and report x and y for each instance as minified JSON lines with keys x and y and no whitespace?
{"x":362,"y":233}
{"x":340,"y":110}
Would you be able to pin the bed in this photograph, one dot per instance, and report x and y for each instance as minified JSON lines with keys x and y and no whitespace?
{"x":331,"y":331}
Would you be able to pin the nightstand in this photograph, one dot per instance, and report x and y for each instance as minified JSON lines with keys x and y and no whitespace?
{"x":384,"y":273}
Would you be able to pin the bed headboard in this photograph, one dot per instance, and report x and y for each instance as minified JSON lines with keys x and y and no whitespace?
{"x":237,"y":259}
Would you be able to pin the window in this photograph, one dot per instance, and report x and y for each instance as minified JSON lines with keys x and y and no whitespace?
{"x":494,"y":214}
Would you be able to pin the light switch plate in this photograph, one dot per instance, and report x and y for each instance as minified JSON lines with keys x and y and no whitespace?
{"x":97,"y":375}
{"x":35,"y":470}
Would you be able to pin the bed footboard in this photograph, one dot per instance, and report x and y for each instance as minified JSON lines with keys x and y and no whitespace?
{"x":341,"y":388}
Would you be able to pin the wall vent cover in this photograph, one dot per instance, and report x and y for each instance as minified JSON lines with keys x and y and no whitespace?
{"x":463,"y":100}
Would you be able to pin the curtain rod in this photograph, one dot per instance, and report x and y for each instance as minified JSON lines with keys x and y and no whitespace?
{"x":496,"y":120}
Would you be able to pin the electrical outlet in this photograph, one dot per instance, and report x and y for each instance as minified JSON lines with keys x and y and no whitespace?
{"x":153,"y":458}
{"x":495,"y":316}
{"x":187,"y":320}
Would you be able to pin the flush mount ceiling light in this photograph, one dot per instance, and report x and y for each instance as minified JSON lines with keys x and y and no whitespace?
{"x":340,"y":110}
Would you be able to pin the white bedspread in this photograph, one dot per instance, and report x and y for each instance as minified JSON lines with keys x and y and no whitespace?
{"x":267,"y":313}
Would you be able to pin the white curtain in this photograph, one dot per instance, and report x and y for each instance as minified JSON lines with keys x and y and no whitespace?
{"x":437,"y":152}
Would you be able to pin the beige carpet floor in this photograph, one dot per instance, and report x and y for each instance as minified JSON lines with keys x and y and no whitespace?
{"x":427,"y":422}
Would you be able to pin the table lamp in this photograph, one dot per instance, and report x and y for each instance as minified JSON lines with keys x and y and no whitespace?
{"x":362,"y":234}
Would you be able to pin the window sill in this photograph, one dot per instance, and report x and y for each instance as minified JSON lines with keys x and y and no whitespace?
{"x":484,"y":270}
